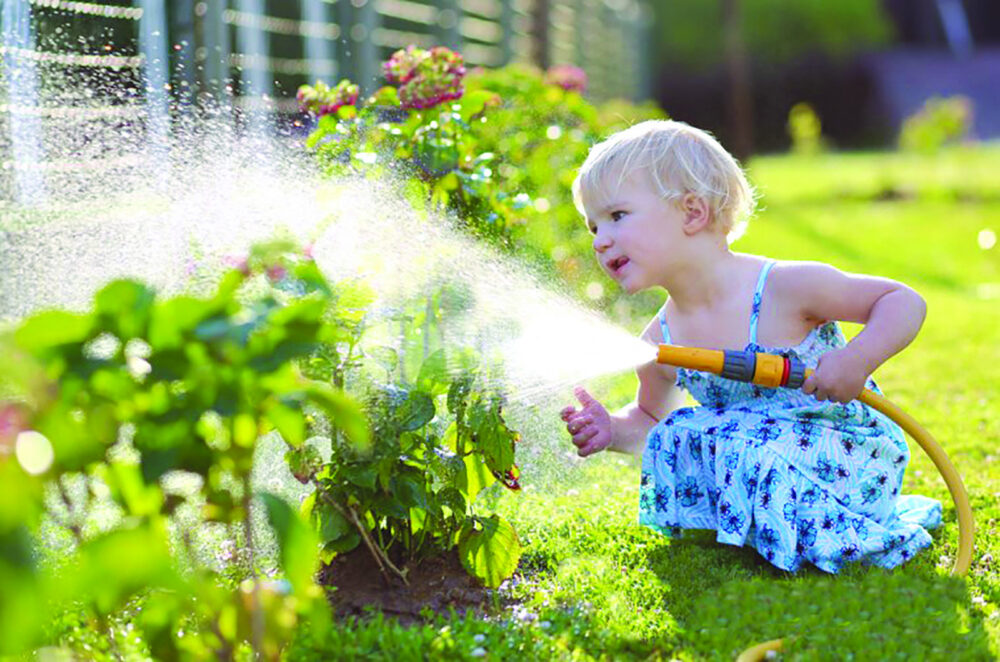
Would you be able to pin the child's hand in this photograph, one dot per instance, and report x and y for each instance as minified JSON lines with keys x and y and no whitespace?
{"x":840,"y":375}
{"x":590,"y":426}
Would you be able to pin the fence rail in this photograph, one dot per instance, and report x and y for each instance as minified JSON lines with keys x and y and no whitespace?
{"x":254,"y":54}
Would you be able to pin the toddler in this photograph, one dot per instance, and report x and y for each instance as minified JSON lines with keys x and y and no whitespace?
{"x":806,"y":475}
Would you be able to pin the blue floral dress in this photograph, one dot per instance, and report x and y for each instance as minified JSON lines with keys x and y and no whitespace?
{"x":798,"y":479}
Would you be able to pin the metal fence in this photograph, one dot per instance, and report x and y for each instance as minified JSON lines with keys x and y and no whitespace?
{"x":254,"y":54}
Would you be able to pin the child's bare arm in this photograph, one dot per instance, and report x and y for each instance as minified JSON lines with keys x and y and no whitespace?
{"x":891,"y":312}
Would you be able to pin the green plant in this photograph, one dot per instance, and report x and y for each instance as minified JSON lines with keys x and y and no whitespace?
{"x":136,"y":390}
{"x":438,"y":439}
{"x":773,"y":30}
{"x":804,"y":129}
{"x":421,"y":128}
{"x":941,"y":121}
{"x":412,"y":497}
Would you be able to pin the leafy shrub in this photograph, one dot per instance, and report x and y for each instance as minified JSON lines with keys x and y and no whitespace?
{"x":941,"y":121}
{"x":804,"y":129}
{"x":496,"y":149}
{"x":129,"y":397}
{"x":773,"y":30}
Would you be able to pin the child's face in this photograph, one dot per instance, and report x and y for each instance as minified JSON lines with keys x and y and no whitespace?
{"x":634,"y":230}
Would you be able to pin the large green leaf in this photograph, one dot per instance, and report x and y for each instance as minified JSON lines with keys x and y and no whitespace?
{"x":344,"y":412}
{"x":491,"y":552}
{"x":433,"y":376}
{"x":114,"y":567}
{"x":296,"y":540}
{"x":475,"y":101}
{"x":52,"y":328}
{"x":415,"y":412}
{"x":289,"y":422}
{"x":328,"y":522}
{"x":125,"y":306}
{"x":173,"y":319}
{"x":475,"y":476}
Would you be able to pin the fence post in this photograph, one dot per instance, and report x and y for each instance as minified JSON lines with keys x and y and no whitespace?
{"x":255,"y":75}
{"x":507,"y":31}
{"x":540,"y":32}
{"x":153,"y":46}
{"x":642,"y":27}
{"x":215,"y":40}
{"x":22,"y":95}
{"x":449,"y":23}
{"x":319,"y":50}
{"x":362,"y":21}
{"x":181,"y":34}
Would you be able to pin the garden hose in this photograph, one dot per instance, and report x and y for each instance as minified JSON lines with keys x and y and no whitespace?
{"x":772,"y":370}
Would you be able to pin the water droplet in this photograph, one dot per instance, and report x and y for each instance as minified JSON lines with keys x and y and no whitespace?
{"x":986,"y":239}
{"x":34,"y":452}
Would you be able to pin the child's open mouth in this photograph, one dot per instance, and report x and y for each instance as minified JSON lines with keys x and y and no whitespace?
{"x":616,"y":264}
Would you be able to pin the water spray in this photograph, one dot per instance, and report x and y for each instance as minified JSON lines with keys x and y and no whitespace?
{"x":772,"y":370}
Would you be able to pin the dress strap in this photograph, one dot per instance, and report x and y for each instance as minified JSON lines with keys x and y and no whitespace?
{"x":758,"y":295}
{"x":663,"y":326}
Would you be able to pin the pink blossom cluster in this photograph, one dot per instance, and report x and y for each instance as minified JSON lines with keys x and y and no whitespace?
{"x":324,"y":100}
{"x":426,"y":78}
{"x":13,"y":421}
{"x":567,"y":77}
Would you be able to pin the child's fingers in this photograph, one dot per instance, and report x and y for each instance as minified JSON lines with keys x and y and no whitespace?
{"x":590,"y":448}
{"x":567,"y":413}
{"x":582,"y":438}
{"x":576,"y":424}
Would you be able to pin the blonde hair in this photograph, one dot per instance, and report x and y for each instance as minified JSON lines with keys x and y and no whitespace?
{"x":678,"y":159}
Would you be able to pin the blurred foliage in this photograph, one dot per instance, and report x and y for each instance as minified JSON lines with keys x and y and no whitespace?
{"x":121,"y":401}
{"x":136,"y":393}
{"x":805,"y":130}
{"x":773,"y":30}
{"x":940,"y":122}
{"x":498,"y":154}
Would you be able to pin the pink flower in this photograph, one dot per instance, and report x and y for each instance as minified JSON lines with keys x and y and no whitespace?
{"x":276,"y":272}
{"x":426,"y":78}
{"x":567,"y":77}
{"x":324,"y":100}
{"x":402,"y":65}
{"x":238,"y":262}
{"x":13,"y":421}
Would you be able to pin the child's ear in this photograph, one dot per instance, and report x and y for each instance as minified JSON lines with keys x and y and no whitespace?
{"x":697,"y":214}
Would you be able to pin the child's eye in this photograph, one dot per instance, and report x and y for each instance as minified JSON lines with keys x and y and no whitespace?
{"x":617,"y":215}
{"x":592,"y":229}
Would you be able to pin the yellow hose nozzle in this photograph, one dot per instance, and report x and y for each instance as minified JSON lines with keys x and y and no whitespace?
{"x":756,"y":367}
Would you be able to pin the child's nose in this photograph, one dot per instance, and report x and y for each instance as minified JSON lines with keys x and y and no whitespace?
{"x":601,"y":242}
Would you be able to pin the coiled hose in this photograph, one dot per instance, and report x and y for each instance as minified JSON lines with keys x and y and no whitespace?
{"x":773,"y":371}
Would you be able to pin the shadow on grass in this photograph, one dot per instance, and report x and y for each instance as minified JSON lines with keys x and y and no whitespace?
{"x":726,"y":599}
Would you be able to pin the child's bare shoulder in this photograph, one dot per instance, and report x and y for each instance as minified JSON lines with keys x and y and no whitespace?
{"x":796,"y":278}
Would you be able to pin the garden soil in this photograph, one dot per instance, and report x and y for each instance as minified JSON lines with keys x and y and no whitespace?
{"x":439,"y":583}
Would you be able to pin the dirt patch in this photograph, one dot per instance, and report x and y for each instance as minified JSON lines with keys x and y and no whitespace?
{"x":439,"y":583}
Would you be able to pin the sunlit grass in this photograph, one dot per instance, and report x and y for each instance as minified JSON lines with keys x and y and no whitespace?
{"x":594,"y":584}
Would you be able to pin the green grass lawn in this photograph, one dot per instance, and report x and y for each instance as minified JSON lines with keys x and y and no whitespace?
{"x":593,"y":584}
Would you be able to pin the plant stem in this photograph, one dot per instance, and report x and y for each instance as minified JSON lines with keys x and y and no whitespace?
{"x":70,"y":524}
{"x":256,"y":617}
{"x":381,"y":558}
